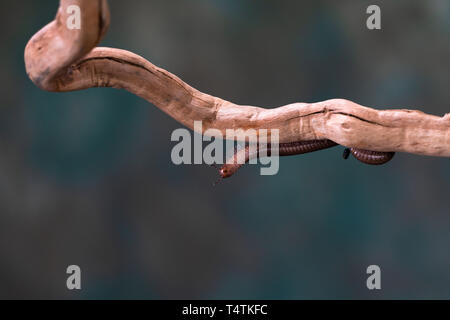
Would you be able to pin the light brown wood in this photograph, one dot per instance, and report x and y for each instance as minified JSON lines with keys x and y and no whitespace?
{"x":58,"y":59}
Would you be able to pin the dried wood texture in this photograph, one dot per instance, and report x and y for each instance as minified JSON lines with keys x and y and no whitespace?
{"x":58,"y":59}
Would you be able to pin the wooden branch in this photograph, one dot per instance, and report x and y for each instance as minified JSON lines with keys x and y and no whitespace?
{"x":58,"y":59}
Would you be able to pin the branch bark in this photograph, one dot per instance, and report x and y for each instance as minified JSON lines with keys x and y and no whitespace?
{"x":58,"y":59}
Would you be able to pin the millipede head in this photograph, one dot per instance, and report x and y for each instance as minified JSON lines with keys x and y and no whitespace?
{"x":225,"y":172}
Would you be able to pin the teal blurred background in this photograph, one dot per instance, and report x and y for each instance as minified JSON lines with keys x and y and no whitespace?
{"x":86,"y":177}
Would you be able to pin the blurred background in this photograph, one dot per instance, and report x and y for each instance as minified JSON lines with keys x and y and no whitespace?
{"x":86,"y":178}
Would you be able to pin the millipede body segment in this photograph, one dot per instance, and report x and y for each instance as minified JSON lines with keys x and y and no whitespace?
{"x":246,"y":154}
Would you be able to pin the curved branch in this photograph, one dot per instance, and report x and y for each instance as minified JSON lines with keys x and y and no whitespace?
{"x":58,"y":59}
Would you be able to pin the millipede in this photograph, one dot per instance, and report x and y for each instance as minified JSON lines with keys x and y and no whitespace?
{"x":232,"y":165}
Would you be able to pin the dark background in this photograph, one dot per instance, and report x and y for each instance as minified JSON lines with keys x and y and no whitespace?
{"x":86,"y":177}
